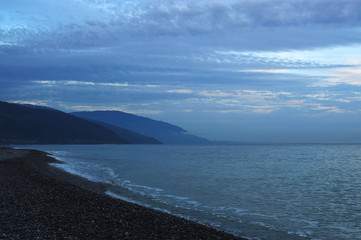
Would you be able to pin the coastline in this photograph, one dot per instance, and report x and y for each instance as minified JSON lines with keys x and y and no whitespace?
{"x":40,"y":201}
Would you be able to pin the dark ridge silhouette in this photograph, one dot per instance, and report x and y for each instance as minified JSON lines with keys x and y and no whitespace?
{"x":39,"y":107}
{"x":132,"y":137}
{"x":33,"y":125}
{"x":165,"y":132}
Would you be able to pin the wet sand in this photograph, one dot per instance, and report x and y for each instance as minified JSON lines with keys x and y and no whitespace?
{"x":39,"y":201}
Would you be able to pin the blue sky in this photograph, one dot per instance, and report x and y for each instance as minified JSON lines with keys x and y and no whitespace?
{"x":254,"y":71}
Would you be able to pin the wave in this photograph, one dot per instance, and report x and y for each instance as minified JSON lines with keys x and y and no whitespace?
{"x":230,"y":219}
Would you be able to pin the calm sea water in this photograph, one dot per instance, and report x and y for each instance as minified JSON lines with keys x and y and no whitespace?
{"x":254,"y":191}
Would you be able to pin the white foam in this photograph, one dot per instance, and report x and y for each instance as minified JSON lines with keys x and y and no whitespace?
{"x":71,"y":170}
{"x":303,"y":233}
{"x":104,"y":174}
{"x":176,"y":197}
{"x":194,"y":203}
{"x":83,"y":169}
{"x":114,"y":195}
{"x":346,"y":230}
{"x":312,"y":224}
{"x":237,"y":211}
{"x":163,"y":210}
{"x":144,"y":187}
{"x":263,"y":215}
{"x":262,"y":224}
{"x":163,"y":200}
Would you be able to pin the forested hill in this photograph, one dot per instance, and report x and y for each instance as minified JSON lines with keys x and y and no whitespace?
{"x":21,"y":124}
{"x":165,"y":132}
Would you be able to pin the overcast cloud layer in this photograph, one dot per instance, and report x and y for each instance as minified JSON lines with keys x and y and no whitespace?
{"x":263,"y":71}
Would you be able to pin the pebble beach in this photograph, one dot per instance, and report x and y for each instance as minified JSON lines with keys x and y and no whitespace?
{"x":39,"y":201}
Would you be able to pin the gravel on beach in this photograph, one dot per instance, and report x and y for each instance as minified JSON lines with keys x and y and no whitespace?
{"x":39,"y":201}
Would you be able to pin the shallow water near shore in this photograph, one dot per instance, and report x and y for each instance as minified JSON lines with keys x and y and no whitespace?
{"x":309,"y":191}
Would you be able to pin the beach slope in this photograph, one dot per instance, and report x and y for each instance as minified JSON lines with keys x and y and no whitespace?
{"x":39,"y":201}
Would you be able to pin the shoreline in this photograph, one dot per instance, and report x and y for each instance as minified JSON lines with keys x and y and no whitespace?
{"x":40,"y":201}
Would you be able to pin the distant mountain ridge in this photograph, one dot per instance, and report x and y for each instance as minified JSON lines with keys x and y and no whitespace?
{"x":165,"y":132}
{"x":21,"y":124}
{"x":39,"y":107}
{"x":131,"y":136}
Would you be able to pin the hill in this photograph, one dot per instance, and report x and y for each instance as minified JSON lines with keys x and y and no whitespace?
{"x":165,"y":132}
{"x":37,"y":125}
{"x":132,"y":137}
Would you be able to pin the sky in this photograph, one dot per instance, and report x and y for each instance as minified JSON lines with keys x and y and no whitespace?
{"x":249,"y":71}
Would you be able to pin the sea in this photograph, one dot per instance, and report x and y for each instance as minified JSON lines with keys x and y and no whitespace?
{"x":271,"y":191}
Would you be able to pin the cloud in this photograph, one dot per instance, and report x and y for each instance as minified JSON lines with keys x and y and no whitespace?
{"x":264,"y":110}
{"x":72,"y":82}
{"x":128,"y":85}
{"x":287,"y":61}
{"x":350,"y":76}
{"x":242,"y":101}
{"x":319,"y":96}
{"x":247,"y":109}
{"x":115,"y":84}
{"x":331,"y":109}
{"x":103,"y":23}
{"x":46,"y":82}
{"x":244,"y":95}
{"x":264,"y":70}
{"x":183,"y":91}
{"x":34,"y":102}
{"x":236,"y":57}
{"x":87,"y":83}
{"x":215,"y":93}
{"x":107,"y":108}
{"x":168,"y":17}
